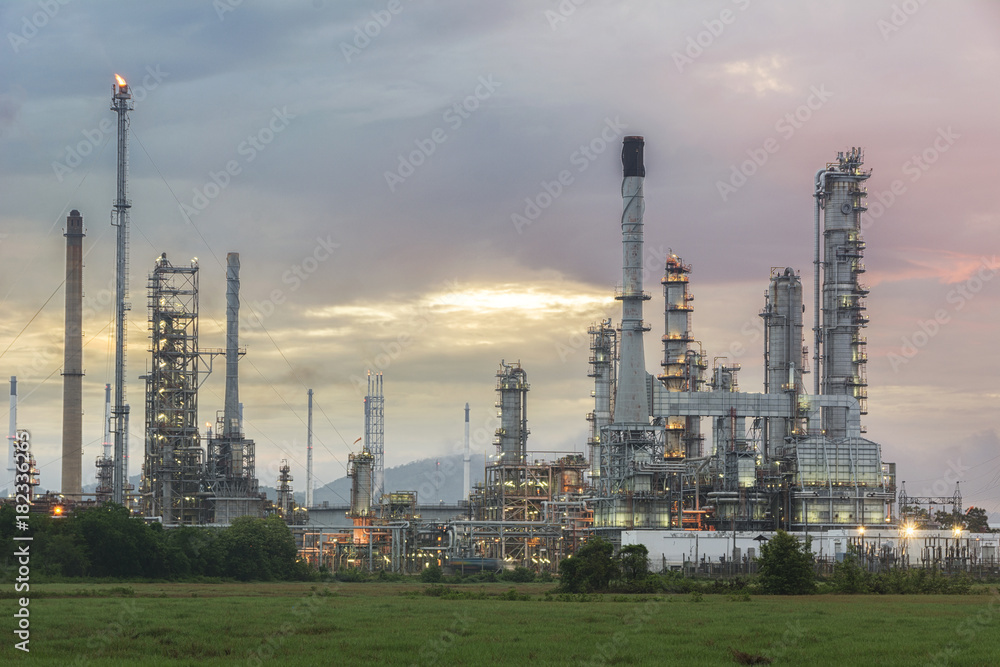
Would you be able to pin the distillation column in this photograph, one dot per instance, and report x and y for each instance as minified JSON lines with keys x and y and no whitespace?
{"x":105,"y":462}
{"x":784,"y":358}
{"x":72,"y":425}
{"x":604,"y":370}
{"x":512,"y":399}
{"x":844,"y":357}
{"x":682,"y":367}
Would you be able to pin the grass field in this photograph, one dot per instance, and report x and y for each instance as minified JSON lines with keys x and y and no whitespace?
{"x":487,"y":624}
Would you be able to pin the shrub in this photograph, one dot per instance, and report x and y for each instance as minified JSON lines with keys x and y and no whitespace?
{"x":786,"y":566}
{"x":590,"y":569}
{"x":519,"y":575}
{"x":431,"y":574}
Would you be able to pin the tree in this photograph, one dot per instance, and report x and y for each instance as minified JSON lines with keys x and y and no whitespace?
{"x":257,"y":549}
{"x":949,"y":519}
{"x":976,"y":520}
{"x":591,"y":568}
{"x":633,"y":561}
{"x":849,"y":577}
{"x":116,"y":544}
{"x":786,"y":566}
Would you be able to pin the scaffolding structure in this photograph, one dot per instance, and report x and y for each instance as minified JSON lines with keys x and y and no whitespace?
{"x":231,"y":471}
{"x":286,"y":497}
{"x":375,"y":433}
{"x":604,"y":371}
{"x":172,"y":486}
{"x":105,"y":463}
{"x":683,"y":367}
{"x":231,"y":476}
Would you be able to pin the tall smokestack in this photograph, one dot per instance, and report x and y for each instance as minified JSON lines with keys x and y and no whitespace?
{"x":72,"y":435}
{"x":631,"y":399}
{"x":12,"y":438}
{"x":121,"y":103}
{"x":309,"y":454}
{"x":466,"y":486}
{"x":231,"y":413}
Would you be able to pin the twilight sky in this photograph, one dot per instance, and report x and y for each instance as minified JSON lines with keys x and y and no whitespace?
{"x":390,"y":174}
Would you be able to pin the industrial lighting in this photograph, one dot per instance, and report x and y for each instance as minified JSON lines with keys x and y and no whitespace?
{"x":958,"y":531}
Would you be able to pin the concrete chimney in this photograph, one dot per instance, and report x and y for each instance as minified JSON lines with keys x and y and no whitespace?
{"x":72,"y":434}
{"x":631,"y":399}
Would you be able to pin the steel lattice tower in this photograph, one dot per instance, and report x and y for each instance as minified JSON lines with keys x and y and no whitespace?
{"x":173,"y":471}
{"x":375,"y":433}
{"x":121,"y":103}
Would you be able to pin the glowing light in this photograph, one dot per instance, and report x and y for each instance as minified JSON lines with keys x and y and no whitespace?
{"x":121,"y":81}
{"x":58,"y":510}
{"x":861,"y":530}
{"x":908,"y":530}
{"x":958,"y":531}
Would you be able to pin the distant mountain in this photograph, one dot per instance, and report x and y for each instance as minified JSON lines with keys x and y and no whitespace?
{"x":433,"y":479}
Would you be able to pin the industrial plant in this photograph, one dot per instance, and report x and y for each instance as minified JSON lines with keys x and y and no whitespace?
{"x":680,"y":459}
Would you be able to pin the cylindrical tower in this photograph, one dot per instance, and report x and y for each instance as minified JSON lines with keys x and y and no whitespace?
{"x":466,"y":461}
{"x":603,"y":368}
{"x":121,"y":103}
{"x":72,"y":424}
{"x":309,"y":452}
{"x":286,"y":497}
{"x":842,"y":346}
{"x":360,"y":468}
{"x":784,"y":359}
{"x":231,"y":415}
{"x":12,"y":438}
{"x":512,"y":399}
{"x":676,"y":339}
{"x":105,"y":463}
{"x":632,"y":400}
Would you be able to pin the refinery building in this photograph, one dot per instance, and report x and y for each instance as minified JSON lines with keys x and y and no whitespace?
{"x":679,"y":459}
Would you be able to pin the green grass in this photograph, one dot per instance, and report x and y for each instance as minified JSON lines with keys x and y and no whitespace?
{"x":397,"y":623}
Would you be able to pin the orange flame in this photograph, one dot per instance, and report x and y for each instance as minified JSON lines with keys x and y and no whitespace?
{"x":121,"y":81}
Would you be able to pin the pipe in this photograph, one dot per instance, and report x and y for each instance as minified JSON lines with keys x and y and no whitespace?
{"x":107,"y":421}
{"x":231,"y":420}
{"x":466,"y":462}
{"x":12,"y":437}
{"x":121,"y":103}
{"x":819,"y":194}
{"x":309,"y":454}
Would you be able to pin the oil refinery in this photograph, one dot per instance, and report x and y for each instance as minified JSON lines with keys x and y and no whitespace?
{"x":680,"y":460}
